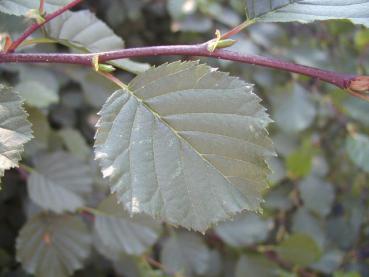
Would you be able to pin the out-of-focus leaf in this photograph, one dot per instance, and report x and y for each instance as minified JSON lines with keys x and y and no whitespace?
{"x":50,"y":245}
{"x":75,"y":29}
{"x":362,"y":41}
{"x":21,"y":7}
{"x":294,"y":109}
{"x":318,"y":196}
{"x":358,"y":109}
{"x":277,"y":168}
{"x":185,"y":144}
{"x":15,"y":130}
{"x":299,"y":249}
{"x":299,"y":163}
{"x":185,"y":252}
{"x":215,"y":264}
{"x":305,"y":223}
{"x":121,"y":233}
{"x":38,"y":86}
{"x":75,"y":143}
{"x":59,"y":182}
{"x":329,"y":262}
{"x":180,"y":8}
{"x":309,"y":10}
{"x":255,"y":265}
{"x":278,"y":198}
{"x":245,"y":230}
{"x":192,"y":23}
{"x":357,"y":147}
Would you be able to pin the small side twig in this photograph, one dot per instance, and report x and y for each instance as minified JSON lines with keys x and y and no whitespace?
{"x":34,"y":27}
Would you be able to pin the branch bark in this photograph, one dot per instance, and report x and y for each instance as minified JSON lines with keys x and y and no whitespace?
{"x":348,"y":82}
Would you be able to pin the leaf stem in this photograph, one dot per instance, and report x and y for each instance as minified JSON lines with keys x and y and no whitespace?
{"x":341,"y":80}
{"x":34,"y":27}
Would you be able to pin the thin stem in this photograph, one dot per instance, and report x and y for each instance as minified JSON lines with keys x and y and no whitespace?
{"x":41,"y":7}
{"x":340,"y":80}
{"x":34,"y":27}
{"x":238,"y":29}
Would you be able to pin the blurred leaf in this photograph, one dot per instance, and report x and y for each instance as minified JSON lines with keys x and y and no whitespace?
{"x":318,"y":196}
{"x":38,"y":86}
{"x":175,"y":146}
{"x":121,"y":233}
{"x":255,"y":265}
{"x":21,"y":7}
{"x":294,"y":109}
{"x":299,"y":163}
{"x":74,"y":29}
{"x":277,"y":168}
{"x":179,"y":8}
{"x":185,"y":252}
{"x":305,"y":223}
{"x":362,"y":40}
{"x":346,"y":274}
{"x":299,"y":249}
{"x":50,"y":245}
{"x":59,"y":182}
{"x":75,"y":143}
{"x":278,"y":198}
{"x":245,"y":230}
{"x":15,"y":130}
{"x":306,"y":11}
{"x":357,"y":147}
{"x":329,"y":262}
{"x":40,"y":125}
{"x":358,"y":109}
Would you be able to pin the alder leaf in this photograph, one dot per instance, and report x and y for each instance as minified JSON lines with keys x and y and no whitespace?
{"x":59,"y":182}
{"x":15,"y":130}
{"x":185,"y":144}
{"x":21,"y":7}
{"x":121,"y":233}
{"x":83,"y":30}
{"x":309,"y":10}
{"x":51,"y":245}
{"x":186,"y":253}
{"x":357,"y":147}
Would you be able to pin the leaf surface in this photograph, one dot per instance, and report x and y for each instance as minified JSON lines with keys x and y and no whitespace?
{"x":21,"y":7}
{"x":357,"y":147}
{"x":59,"y":182}
{"x":83,"y":30}
{"x":51,"y":245}
{"x":309,"y":10}
{"x":185,"y":144}
{"x":15,"y":130}
{"x":186,"y":253}
{"x":121,"y":233}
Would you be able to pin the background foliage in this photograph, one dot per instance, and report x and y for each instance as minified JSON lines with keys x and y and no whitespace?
{"x":54,"y":212}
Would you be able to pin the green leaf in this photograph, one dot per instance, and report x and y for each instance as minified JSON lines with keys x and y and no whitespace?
{"x":185,"y":144}
{"x":306,"y":11}
{"x":50,"y":245}
{"x":59,"y":182}
{"x":83,"y":30}
{"x":15,"y":130}
{"x":295,"y":111}
{"x":357,"y":147}
{"x":38,"y":86}
{"x":245,"y":230}
{"x":21,"y":7}
{"x":300,"y":162}
{"x":318,"y":196}
{"x":75,"y":143}
{"x":255,"y":265}
{"x":186,"y":253}
{"x":121,"y":233}
{"x":299,"y":249}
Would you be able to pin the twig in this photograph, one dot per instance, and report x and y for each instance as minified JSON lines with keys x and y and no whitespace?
{"x":341,"y":80}
{"x":34,"y":27}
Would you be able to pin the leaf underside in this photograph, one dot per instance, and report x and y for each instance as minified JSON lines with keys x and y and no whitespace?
{"x":15,"y":130}
{"x":21,"y":7}
{"x":309,"y":10}
{"x":50,"y":245}
{"x":185,"y":144}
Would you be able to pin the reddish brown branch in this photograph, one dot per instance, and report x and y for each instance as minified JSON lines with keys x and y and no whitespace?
{"x":341,"y":80}
{"x":34,"y":27}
